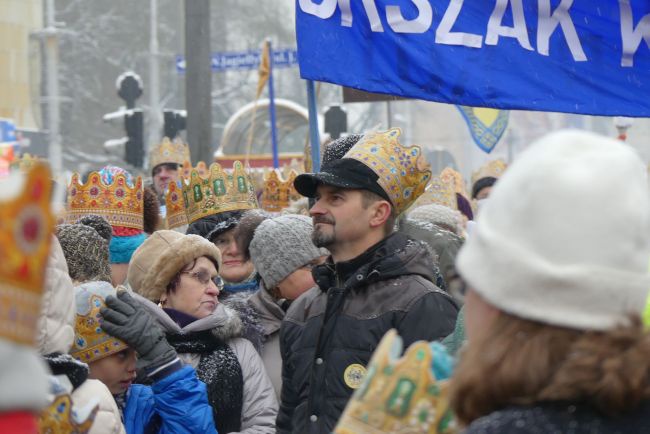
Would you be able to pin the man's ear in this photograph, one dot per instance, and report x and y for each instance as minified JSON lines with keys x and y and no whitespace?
{"x":379,"y":213}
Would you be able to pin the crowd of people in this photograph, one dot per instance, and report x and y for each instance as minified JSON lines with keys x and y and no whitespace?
{"x":396,"y":301}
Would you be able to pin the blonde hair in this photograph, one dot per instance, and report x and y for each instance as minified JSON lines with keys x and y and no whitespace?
{"x":522,"y":362}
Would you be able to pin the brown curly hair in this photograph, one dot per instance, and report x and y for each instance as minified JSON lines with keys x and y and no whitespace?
{"x":522,"y":362}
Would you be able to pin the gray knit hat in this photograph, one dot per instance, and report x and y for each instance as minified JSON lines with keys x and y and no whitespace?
{"x":86,"y":250}
{"x":281,"y":245}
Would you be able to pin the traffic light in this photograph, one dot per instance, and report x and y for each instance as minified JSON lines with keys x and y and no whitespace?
{"x":134,"y":150}
{"x":175,"y":122}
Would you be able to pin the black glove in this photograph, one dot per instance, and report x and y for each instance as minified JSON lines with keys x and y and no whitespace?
{"x":126,"y":319}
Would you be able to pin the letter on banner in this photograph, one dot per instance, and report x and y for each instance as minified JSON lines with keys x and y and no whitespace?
{"x":346,"y":13}
{"x":444,"y":34}
{"x":631,"y":36}
{"x":420,"y":24}
{"x":518,"y":30}
{"x":324,"y":10}
{"x":548,"y":23}
{"x":373,"y":15}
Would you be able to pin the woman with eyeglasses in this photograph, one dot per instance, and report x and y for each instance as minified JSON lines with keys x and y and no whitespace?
{"x":176,"y":278}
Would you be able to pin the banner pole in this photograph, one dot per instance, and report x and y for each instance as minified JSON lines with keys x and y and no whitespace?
{"x":313,"y":126}
{"x":274,"y":132}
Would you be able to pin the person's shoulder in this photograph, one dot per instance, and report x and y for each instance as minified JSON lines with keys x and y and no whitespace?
{"x":311,"y":303}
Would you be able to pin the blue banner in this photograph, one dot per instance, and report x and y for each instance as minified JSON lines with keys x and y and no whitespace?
{"x":574,"y":56}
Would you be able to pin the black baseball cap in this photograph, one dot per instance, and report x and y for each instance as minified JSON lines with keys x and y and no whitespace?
{"x":344,"y":173}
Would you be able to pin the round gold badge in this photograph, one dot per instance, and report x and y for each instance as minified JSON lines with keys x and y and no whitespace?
{"x":354,"y":375}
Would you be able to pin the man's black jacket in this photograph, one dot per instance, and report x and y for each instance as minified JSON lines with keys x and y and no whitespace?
{"x":336,"y":326}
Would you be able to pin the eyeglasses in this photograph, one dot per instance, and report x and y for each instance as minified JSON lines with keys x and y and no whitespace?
{"x":204,"y":278}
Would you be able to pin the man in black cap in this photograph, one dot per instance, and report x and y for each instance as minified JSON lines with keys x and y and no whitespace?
{"x":375,"y":280}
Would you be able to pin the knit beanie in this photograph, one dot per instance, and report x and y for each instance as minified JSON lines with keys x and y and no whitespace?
{"x":85,"y":250}
{"x":438,"y":215}
{"x":565,"y":236}
{"x":161,"y":256}
{"x":281,"y":245}
{"x":125,"y":240}
{"x":91,"y":343}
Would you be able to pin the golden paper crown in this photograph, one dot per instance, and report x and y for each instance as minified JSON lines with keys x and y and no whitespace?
{"x":168,"y":151}
{"x":118,"y":203}
{"x":25,"y":162}
{"x":26,"y":224}
{"x":440,"y":192}
{"x":90,"y":341}
{"x":398,"y":395}
{"x":60,"y":418}
{"x":455,"y":179}
{"x":278,"y":193}
{"x":218,"y":192}
{"x":403,"y":172}
{"x":175,"y":205}
{"x":494,"y":169}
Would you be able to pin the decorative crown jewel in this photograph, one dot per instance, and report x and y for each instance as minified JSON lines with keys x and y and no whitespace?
{"x":61,"y":418}
{"x":398,"y":395}
{"x":90,"y":341}
{"x":278,"y":193}
{"x":169,"y":151}
{"x":26,"y":224}
{"x":403,"y":172}
{"x":175,"y":205}
{"x":118,"y":202}
{"x":494,"y":168}
{"x":218,"y":192}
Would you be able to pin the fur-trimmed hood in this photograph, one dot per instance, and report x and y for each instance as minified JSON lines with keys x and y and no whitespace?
{"x":224,"y":322}
{"x":161,"y":256}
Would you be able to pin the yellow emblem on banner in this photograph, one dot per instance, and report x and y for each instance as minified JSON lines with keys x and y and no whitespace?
{"x":354,"y":375}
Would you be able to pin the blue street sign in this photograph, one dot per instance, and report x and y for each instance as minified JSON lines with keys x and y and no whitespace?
{"x":244,"y":60}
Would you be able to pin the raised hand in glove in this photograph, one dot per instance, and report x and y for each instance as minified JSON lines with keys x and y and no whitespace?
{"x":126,"y":319}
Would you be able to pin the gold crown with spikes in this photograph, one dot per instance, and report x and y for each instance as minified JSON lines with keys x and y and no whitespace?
{"x":90,"y":341}
{"x":175,"y":205}
{"x":169,"y":151}
{"x":26,"y":224}
{"x":399,"y":395}
{"x":201,"y":168}
{"x":61,"y":418}
{"x":403,"y":171}
{"x":455,"y":179}
{"x":119,"y":203}
{"x":218,"y":192}
{"x":25,"y":162}
{"x":494,"y":169}
{"x":278,"y":193}
{"x":440,"y":192}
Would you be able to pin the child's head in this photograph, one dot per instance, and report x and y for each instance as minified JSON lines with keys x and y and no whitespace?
{"x":110,"y":360}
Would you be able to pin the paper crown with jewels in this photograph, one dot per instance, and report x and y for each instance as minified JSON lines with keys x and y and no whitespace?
{"x":90,"y":341}
{"x":175,"y":205}
{"x":218,"y":192}
{"x":455,"y":179}
{"x":119,"y":202}
{"x":60,"y":417}
{"x":399,"y":395}
{"x":25,"y":162}
{"x":26,"y":224}
{"x":278,"y":193}
{"x":403,"y":171}
{"x":494,"y":169}
{"x":201,"y":168}
{"x":169,"y":151}
{"x":440,"y":192}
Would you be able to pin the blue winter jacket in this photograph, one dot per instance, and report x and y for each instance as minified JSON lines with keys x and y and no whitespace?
{"x":177,"y":403}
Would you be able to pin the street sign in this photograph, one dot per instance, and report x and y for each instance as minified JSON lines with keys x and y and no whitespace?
{"x":244,"y":60}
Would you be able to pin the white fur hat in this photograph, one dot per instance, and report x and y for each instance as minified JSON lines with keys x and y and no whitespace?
{"x":565,"y":236}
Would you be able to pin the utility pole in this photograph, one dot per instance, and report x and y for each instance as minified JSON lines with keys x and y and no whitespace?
{"x":51,"y":35}
{"x":198,"y":80}
{"x":155,"y":123}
